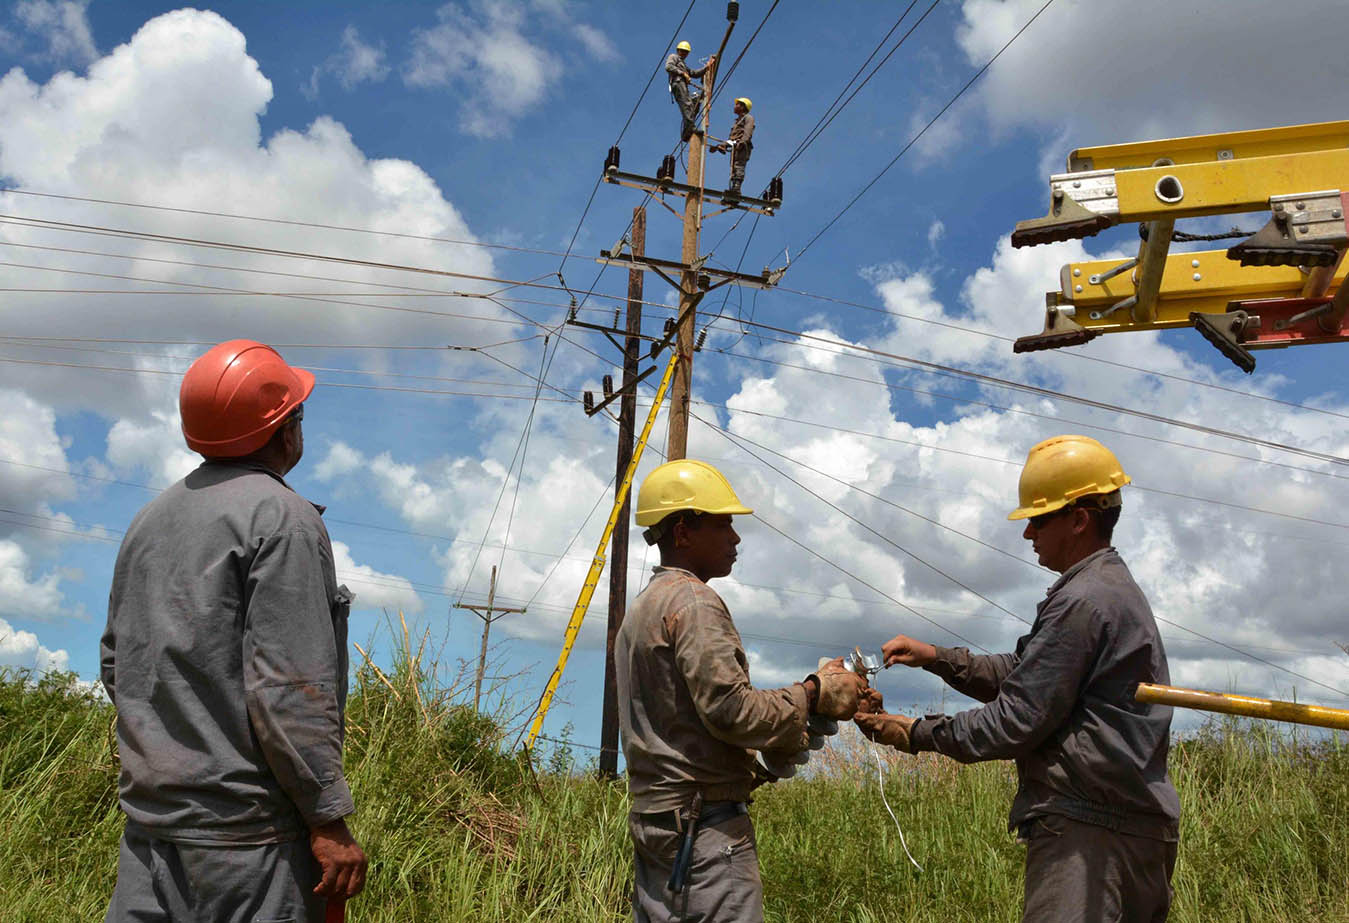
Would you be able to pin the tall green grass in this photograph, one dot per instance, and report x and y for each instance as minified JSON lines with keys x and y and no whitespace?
{"x":459,"y":829}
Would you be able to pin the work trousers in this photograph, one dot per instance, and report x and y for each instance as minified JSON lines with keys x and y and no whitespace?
{"x":739,"y":158}
{"x":686,"y":99}
{"x":159,"y":881}
{"x":722,"y":885}
{"x":1083,"y":873}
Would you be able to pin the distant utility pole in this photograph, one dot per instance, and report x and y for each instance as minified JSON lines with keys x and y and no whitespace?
{"x":618,"y":554}
{"x":489,"y":614}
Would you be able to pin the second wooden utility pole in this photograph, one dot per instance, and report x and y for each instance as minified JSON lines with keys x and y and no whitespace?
{"x":488,"y":613}
{"x":618,"y":547}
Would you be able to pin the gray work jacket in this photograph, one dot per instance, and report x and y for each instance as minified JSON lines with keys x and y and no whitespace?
{"x":225,"y":655}
{"x":678,"y":70}
{"x":1063,"y":706}
{"x":690,"y":719}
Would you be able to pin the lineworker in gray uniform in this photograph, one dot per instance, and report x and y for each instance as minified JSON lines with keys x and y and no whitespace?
{"x":686,"y":96}
{"x":690,"y":719}
{"x":225,"y":655}
{"x":740,"y":142}
{"x":1094,"y":804}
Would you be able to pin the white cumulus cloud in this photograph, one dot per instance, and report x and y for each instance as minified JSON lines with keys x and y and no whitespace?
{"x":22,"y":650}
{"x":63,"y":25}
{"x":485,"y":52}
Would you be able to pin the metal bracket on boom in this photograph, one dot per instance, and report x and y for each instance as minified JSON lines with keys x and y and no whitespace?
{"x":1298,"y":172}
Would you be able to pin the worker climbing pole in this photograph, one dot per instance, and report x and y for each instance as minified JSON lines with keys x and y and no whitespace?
{"x":1279,"y":286}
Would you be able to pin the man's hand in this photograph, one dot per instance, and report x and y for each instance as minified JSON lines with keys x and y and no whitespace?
{"x":341,"y":859}
{"x":886,"y":729}
{"x":840,"y":689}
{"x":905,"y":650}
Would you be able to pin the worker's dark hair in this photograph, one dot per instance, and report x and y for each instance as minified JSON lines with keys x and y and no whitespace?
{"x":665,"y":539}
{"x":1104,"y":510}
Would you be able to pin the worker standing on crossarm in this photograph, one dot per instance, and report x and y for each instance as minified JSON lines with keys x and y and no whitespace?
{"x":690,"y":719}
{"x":225,"y":656}
{"x":686,"y":96}
{"x":740,"y":143}
{"x":1094,"y":804}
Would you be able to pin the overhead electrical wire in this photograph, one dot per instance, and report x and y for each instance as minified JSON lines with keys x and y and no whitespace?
{"x":889,"y":386}
{"x":283,"y":221}
{"x":1236,"y":650}
{"x":1062,"y":353}
{"x":837,"y":344}
{"x":99,"y":532}
{"x":1048,"y":392}
{"x":912,"y":141}
{"x":827,"y":118}
{"x":736,"y":441}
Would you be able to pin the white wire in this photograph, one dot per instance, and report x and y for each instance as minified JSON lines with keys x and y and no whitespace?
{"x":880,"y":781}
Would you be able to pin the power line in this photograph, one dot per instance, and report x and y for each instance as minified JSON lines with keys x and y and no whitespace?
{"x":6,"y":341}
{"x":1063,"y":353}
{"x":878,"y":534}
{"x":102,"y":231}
{"x":283,"y":221}
{"x":326,"y":384}
{"x":827,"y":118}
{"x":923,"y":131}
{"x":1008,"y":461}
{"x":1021,"y":412}
{"x":735,"y":440}
{"x":649,"y":80}
{"x":1049,"y":393}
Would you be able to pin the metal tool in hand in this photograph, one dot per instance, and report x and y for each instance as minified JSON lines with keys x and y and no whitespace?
{"x":864,"y":665}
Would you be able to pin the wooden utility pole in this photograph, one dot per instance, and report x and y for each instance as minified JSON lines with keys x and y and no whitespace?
{"x":618,"y":549}
{"x":676,"y":444}
{"x":488,"y":613}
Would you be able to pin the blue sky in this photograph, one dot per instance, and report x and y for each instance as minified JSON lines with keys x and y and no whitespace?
{"x":487,"y":123}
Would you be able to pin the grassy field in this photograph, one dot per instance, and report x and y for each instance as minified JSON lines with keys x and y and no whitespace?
{"x":458,"y":831}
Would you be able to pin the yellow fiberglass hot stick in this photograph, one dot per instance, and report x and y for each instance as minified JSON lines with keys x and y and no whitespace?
{"x":597,"y":563}
{"x":1245,"y":705}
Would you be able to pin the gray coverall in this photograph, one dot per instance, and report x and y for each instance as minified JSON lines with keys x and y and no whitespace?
{"x":225,"y":655}
{"x":691,"y":722}
{"x":1094,"y":802}
{"x":742,"y":145}
{"x":686,"y":97}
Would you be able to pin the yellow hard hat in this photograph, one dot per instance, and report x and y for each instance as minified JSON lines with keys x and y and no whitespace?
{"x":686,"y":484}
{"x":745,"y":99}
{"x":684,"y":46}
{"x":1063,"y":469}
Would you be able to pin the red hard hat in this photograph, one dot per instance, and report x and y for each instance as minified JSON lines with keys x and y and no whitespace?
{"x":237,"y":395}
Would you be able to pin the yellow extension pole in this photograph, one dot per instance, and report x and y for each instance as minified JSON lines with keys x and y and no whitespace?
{"x":597,"y":563}
{"x":1244,"y":705}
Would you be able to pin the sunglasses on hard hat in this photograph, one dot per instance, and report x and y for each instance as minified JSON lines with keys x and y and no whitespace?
{"x":296,"y":415}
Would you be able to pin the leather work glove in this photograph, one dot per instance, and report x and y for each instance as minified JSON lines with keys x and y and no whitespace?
{"x":782,"y":765}
{"x":871,"y":702}
{"x":887,"y":729}
{"x":818,"y":728}
{"x":840,"y":689}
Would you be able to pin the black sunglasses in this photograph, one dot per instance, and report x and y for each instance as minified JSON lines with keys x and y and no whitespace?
{"x":1038,"y":522}
{"x":296,"y":415}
